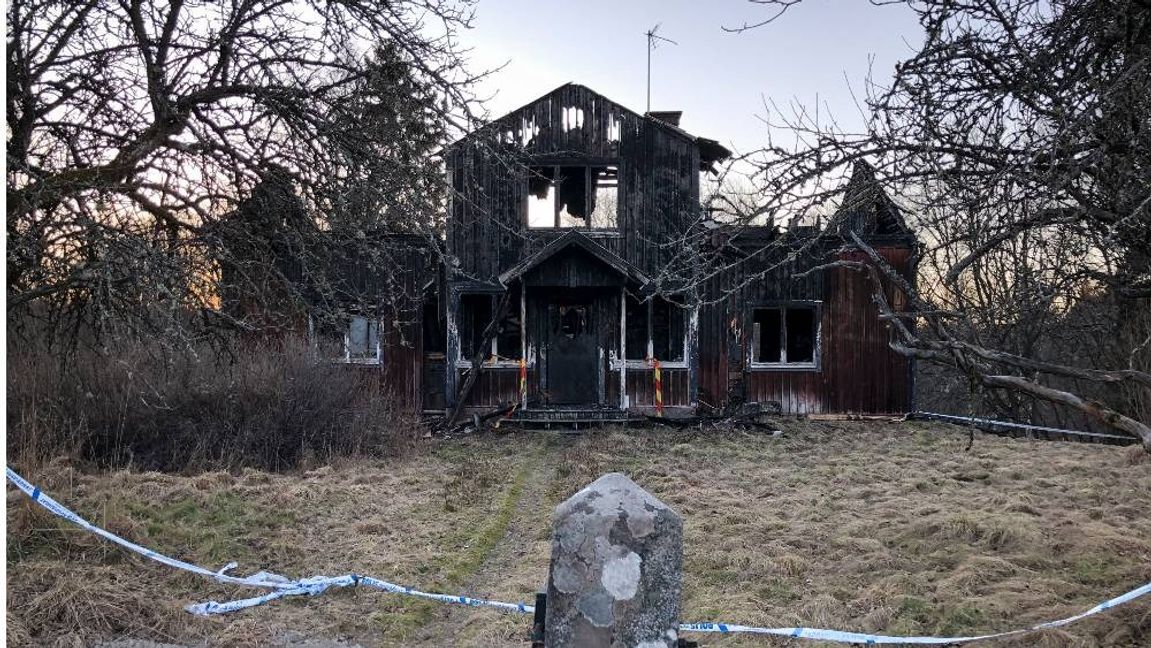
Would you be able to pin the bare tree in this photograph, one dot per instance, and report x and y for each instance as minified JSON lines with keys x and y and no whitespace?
{"x":1018,"y":137}
{"x":135,"y":127}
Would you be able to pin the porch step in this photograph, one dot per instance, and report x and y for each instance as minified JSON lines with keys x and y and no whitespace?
{"x":573,"y":416}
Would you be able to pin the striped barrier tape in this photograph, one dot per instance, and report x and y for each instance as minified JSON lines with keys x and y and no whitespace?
{"x":283,"y":587}
{"x":320,"y":584}
{"x":657,"y":376}
{"x":523,"y":394}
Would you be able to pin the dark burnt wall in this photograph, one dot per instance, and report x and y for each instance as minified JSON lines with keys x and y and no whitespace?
{"x":410,"y":266}
{"x":641,"y":388}
{"x":389,"y":283}
{"x":658,"y":185}
{"x":401,"y":362}
{"x":497,"y":387}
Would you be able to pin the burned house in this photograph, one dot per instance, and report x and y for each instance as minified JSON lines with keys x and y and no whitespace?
{"x":583,"y":281}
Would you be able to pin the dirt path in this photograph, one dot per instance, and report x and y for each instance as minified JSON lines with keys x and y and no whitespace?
{"x":511,"y":572}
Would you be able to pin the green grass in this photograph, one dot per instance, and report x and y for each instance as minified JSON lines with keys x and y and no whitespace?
{"x":465,"y":550}
{"x":215,"y":527}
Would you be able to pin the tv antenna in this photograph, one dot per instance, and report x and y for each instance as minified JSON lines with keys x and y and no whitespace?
{"x":653,"y":39}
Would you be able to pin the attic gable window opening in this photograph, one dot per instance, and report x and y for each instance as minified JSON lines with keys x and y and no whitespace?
{"x":572,"y":118}
{"x":573,"y":196}
{"x":785,"y":337}
{"x":362,"y":341}
{"x":614,"y":128}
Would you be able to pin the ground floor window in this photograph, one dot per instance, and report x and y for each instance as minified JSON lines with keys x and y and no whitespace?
{"x":362,"y":340}
{"x":476,"y":312}
{"x":655,"y":328}
{"x":785,"y":335}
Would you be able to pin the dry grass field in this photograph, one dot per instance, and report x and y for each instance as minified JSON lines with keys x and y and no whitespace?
{"x":878,"y":527}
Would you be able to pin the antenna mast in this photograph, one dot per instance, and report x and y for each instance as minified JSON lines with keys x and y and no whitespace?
{"x":653,"y":39}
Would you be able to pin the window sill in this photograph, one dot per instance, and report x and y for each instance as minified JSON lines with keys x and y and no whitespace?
{"x":498,"y":364}
{"x":640,"y":365}
{"x":783,"y":366}
{"x":356,"y":361}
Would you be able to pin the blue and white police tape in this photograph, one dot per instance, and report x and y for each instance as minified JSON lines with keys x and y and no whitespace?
{"x":320,"y":584}
{"x":283,"y":587}
{"x":871,"y":639}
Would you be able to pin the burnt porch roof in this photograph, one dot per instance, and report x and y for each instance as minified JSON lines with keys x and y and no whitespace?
{"x":575,"y":240}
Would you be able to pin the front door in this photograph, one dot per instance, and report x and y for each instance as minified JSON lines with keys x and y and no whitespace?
{"x":572,"y":361}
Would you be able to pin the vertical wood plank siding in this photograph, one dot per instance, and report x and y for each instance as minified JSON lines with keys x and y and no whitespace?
{"x":401,"y":342}
{"x":858,"y":372}
{"x":658,"y":196}
{"x":658,"y":204}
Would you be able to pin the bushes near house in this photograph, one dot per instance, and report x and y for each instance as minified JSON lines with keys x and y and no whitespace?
{"x":268,"y":406}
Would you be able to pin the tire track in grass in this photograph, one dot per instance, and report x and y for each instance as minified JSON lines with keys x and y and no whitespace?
{"x":506,"y":571}
{"x":458,"y":574}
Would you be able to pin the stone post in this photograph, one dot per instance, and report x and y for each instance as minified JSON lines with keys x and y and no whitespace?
{"x":616,"y":569}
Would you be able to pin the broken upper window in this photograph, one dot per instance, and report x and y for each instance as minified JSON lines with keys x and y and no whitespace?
{"x":785,"y":335}
{"x":655,"y":329}
{"x":475,"y":315}
{"x":571,"y":196}
{"x":362,"y":340}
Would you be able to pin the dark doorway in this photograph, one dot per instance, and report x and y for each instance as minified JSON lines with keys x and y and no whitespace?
{"x":572,"y":363}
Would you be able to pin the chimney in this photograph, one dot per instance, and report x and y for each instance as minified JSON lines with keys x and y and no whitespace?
{"x":667,"y":116}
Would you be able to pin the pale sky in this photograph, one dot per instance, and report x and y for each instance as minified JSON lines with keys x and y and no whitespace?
{"x":721,"y":81}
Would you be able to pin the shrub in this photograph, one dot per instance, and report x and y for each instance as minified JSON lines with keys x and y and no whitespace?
{"x":269,"y":406}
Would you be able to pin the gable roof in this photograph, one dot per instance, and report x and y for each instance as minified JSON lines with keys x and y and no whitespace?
{"x":711,"y":151}
{"x":867,"y":210}
{"x":578,"y":240}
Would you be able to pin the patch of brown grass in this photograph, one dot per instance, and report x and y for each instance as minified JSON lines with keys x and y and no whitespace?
{"x":861,"y":526}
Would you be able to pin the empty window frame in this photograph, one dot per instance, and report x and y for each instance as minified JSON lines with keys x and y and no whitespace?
{"x":573,"y":196}
{"x":362,"y":340}
{"x":668,"y":329}
{"x":786,"y":335}
{"x":475,"y":313}
{"x":635,"y":330}
{"x":655,"y":329}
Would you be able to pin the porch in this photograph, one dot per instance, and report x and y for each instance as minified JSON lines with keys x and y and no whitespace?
{"x":579,"y":340}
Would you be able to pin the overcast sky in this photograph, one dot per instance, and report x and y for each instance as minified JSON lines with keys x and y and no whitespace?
{"x":720,"y":80}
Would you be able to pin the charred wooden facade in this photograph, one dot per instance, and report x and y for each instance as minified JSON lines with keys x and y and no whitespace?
{"x":576,"y":224}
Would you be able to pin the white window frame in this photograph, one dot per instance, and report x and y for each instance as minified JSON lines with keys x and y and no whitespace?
{"x":814,"y":364}
{"x":493,"y":352}
{"x":348,"y":341}
{"x":615,"y":362}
